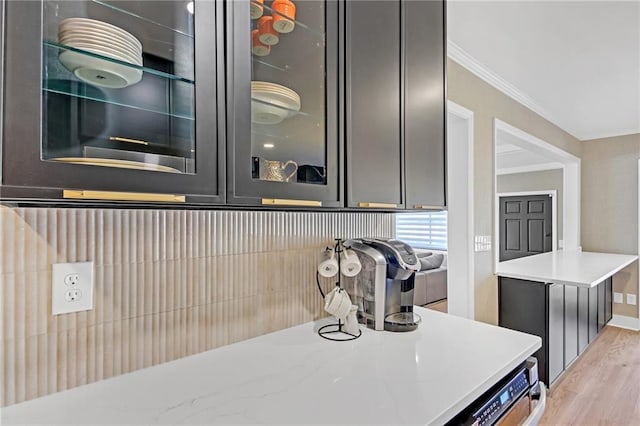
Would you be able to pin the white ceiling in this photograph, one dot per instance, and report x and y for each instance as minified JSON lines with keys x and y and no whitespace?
{"x":577,"y":63}
{"x":512,"y":156}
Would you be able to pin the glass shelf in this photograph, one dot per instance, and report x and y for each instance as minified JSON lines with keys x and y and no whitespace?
{"x":290,"y":112}
{"x":140,"y":17}
{"x":270,"y":65}
{"x":62,"y":47}
{"x":317,"y":32}
{"x":141,"y":96}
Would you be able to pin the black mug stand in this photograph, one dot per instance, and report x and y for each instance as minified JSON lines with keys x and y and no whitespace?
{"x":335,"y":331}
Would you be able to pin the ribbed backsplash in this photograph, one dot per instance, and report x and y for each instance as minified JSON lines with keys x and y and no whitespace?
{"x":167,"y":284}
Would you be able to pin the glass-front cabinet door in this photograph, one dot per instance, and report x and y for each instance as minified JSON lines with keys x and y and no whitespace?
{"x":113,"y":96}
{"x":282,"y":102}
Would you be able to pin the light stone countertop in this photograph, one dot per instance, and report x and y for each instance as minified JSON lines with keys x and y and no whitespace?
{"x":294,"y":376}
{"x":573,"y":268}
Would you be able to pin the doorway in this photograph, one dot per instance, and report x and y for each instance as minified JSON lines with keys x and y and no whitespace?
{"x":519,"y":154}
{"x":526,"y":225}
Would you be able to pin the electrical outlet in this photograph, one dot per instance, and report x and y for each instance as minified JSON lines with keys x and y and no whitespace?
{"x":617,"y":298}
{"x":72,"y":287}
{"x":631,"y":299}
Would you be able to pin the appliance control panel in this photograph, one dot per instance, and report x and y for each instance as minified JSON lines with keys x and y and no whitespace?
{"x":501,"y":400}
{"x":402,"y":251}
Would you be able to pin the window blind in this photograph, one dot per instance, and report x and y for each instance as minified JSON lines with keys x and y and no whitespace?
{"x":423,"y":230}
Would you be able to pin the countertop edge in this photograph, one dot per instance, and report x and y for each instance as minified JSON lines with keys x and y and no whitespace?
{"x":483,"y":387}
{"x":582,"y":284}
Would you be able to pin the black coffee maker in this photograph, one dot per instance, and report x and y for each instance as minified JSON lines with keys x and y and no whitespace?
{"x":402,"y":264}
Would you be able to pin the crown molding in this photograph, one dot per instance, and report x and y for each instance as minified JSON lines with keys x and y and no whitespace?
{"x":596,"y":136}
{"x":529,"y":168}
{"x":459,"y":55}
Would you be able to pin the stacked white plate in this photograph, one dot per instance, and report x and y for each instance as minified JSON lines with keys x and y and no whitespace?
{"x":102,"y":39}
{"x":271,"y":103}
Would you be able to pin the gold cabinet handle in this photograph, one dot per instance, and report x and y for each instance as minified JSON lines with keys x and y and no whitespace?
{"x":285,"y":202}
{"x":426,"y":206}
{"x":122,"y":196}
{"x":379,"y":205}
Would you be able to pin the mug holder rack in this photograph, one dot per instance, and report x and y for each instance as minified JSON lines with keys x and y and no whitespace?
{"x":335,"y":331}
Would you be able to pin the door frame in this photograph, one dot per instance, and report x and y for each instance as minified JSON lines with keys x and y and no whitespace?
{"x":554,"y":216}
{"x":571,"y":166}
{"x":460,"y":254}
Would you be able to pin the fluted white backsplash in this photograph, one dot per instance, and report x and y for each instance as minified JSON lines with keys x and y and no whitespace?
{"x":167,"y":284}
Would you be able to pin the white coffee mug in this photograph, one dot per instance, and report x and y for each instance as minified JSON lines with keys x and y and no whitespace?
{"x":329,"y":266}
{"x":338,"y":303}
{"x":349,"y":263}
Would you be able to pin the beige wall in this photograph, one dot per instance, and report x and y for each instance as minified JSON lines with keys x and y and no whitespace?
{"x":488,"y":103}
{"x":610,"y":205}
{"x":167,"y":284}
{"x":536,"y":181}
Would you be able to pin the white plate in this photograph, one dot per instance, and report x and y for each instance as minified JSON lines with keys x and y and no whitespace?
{"x":89,"y":24}
{"x":122,"y":164}
{"x":295,"y":100}
{"x":100,"y":72}
{"x":92,"y":25}
{"x":276,"y":90}
{"x":276,"y":99}
{"x":264,"y":85}
{"x":109,"y":41}
{"x":96,"y":45}
{"x":111,"y":53}
{"x":96,"y":33}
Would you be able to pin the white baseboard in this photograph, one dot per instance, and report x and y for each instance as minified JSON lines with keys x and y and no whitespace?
{"x":622,"y":321}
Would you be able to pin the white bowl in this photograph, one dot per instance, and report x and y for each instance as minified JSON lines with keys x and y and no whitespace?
{"x":100,"y":72}
{"x":267,"y":114}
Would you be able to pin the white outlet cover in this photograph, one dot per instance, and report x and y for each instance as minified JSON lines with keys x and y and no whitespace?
{"x":631,"y":299}
{"x":71,"y":279}
{"x":617,"y":298}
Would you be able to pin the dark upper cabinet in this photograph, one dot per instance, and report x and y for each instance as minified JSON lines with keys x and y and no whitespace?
{"x":282,"y":103}
{"x":212,"y":102}
{"x":373,"y":114}
{"x":102,"y":98}
{"x":395,"y":104}
{"x":425,"y":104}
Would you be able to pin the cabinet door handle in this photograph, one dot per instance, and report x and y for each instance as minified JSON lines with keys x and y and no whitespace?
{"x":379,"y":205}
{"x":285,"y":202}
{"x":427,"y":207}
{"x":122,"y":196}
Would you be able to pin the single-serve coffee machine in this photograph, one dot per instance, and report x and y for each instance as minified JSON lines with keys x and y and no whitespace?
{"x":383,"y":290}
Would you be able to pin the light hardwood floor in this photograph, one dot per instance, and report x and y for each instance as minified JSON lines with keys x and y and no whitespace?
{"x":602,"y":387}
{"x":440,"y":305}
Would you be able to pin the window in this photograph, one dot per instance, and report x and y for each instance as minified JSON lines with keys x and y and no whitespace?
{"x":423,"y":230}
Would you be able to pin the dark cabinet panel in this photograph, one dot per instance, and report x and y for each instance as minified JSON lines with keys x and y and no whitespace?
{"x":523,"y":306}
{"x":571,"y":323}
{"x":593,"y":313}
{"x":583,"y":319}
{"x":556,"y":331}
{"x":373,"y":122}
{"x":601,"y":305}
{"x":424,"y":104}
{"x":608,"y":302}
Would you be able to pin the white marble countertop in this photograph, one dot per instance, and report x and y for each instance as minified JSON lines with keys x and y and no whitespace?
{"x":295,"y":377}
{"x":574,"y":268}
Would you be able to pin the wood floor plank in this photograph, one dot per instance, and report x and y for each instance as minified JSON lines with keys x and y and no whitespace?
{"x":602,"y":387}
